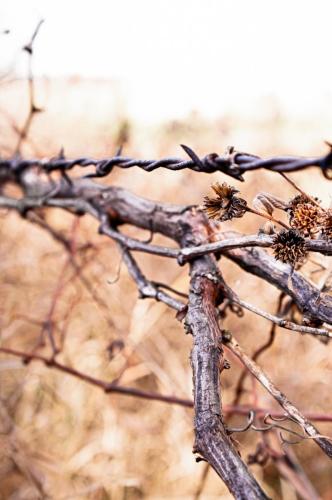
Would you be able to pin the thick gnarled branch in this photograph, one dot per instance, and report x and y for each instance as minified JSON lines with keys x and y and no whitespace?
{"x":211,"y":439}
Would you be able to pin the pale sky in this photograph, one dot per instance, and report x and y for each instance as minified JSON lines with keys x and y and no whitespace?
{"x":172,"y":56}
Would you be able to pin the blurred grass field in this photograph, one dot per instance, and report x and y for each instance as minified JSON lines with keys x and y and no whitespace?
{"x":63,"y":439}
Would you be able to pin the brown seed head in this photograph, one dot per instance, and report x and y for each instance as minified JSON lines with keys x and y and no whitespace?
{"x":226,"y":205}
{"x":306,"y":218}
{"x":289,"y":247}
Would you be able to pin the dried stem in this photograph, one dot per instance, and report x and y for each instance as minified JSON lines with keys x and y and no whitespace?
{"x":268,"y":217}
{"x":33,"y":108}
{"x":283,"y":323}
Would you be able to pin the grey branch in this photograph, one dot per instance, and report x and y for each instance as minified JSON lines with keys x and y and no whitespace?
{"x":283,"y":323}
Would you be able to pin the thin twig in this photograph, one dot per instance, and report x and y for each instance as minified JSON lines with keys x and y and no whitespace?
{"x":283,"y":323}
{"x":33,"y":108}
{"x":291,"y":410}
{"x":258,"y":352}
{"x":267,"y":216}
{"x":297,"y":187}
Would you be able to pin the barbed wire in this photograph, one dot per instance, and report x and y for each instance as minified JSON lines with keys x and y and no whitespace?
{"x":232,"y":163}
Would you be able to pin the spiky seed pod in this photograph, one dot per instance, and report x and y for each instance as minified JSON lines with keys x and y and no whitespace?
{"x":288,"y":247}
{"x":326,"y":225}
{"x":306,"y":218}
{"x":226,"y":205}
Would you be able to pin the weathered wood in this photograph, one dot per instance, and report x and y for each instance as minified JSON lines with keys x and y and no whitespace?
{"x":211,"y":439}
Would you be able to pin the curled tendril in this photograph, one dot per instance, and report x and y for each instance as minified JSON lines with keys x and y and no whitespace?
{"x":246,"y":427}
{"x":236,"y":309}
{"x":270,"y":423}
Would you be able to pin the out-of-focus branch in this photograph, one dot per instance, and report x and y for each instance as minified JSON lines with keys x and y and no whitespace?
{"x":33,"y":108}
{"x":108,"y":387}
{"x":286,"y":463}
{"x":132,"y":391}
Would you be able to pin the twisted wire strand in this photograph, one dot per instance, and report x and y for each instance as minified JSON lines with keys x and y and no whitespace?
{"x":232,"y":163}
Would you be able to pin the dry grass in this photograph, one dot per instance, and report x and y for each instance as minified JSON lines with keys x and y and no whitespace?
{"x":63,"y":439}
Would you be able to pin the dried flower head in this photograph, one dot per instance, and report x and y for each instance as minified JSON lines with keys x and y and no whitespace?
{"x":306,"y":219}
{"x":226,"y":205}
{"x":289,"y":247}
{"x":304,"y":215}
{"x":326,"y":225}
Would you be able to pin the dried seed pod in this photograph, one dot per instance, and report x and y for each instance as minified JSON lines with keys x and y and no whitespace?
{"x":266,"y":202}
{"x":261,"y":203}
{"x":226,"y":205}
{"x":289,"y":247}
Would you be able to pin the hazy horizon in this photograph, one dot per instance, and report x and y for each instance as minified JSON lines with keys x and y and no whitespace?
{"x":169,"y":60}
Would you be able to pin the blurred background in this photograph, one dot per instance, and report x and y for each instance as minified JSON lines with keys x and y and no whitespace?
{"x":149,"y":75}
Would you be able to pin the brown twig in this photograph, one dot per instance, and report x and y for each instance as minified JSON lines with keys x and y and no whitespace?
{"x":267,"y":216}
{"x":33,"y":108}
{"x":297,"y":187}
{"x":130,"y":391}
